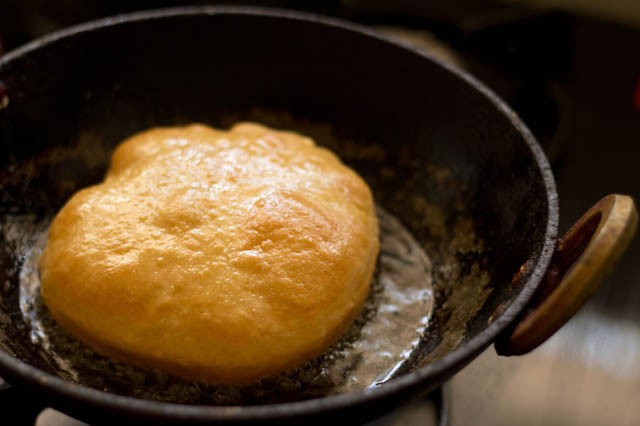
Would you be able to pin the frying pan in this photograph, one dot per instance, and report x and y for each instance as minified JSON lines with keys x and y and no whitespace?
{"x":440,"y":151}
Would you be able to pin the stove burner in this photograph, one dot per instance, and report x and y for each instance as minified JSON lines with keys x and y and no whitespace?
{"x":23,"y":409}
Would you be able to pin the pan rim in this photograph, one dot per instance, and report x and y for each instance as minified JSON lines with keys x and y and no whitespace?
{"x":451,"y":363}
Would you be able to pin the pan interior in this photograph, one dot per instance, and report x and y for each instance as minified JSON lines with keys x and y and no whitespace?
{"x":385,"y":340}
{"x":452,"y":175}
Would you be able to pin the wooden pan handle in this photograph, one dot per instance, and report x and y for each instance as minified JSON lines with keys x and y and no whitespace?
{"x":584,"y":255}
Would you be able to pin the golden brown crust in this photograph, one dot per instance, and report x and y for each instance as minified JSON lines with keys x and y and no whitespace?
{"x":214,"y":255}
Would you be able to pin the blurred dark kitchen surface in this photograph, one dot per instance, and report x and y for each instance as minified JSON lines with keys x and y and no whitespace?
{"x":575,"y":80}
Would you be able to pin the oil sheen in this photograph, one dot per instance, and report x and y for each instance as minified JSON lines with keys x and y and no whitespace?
{"x":378,"y":345}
